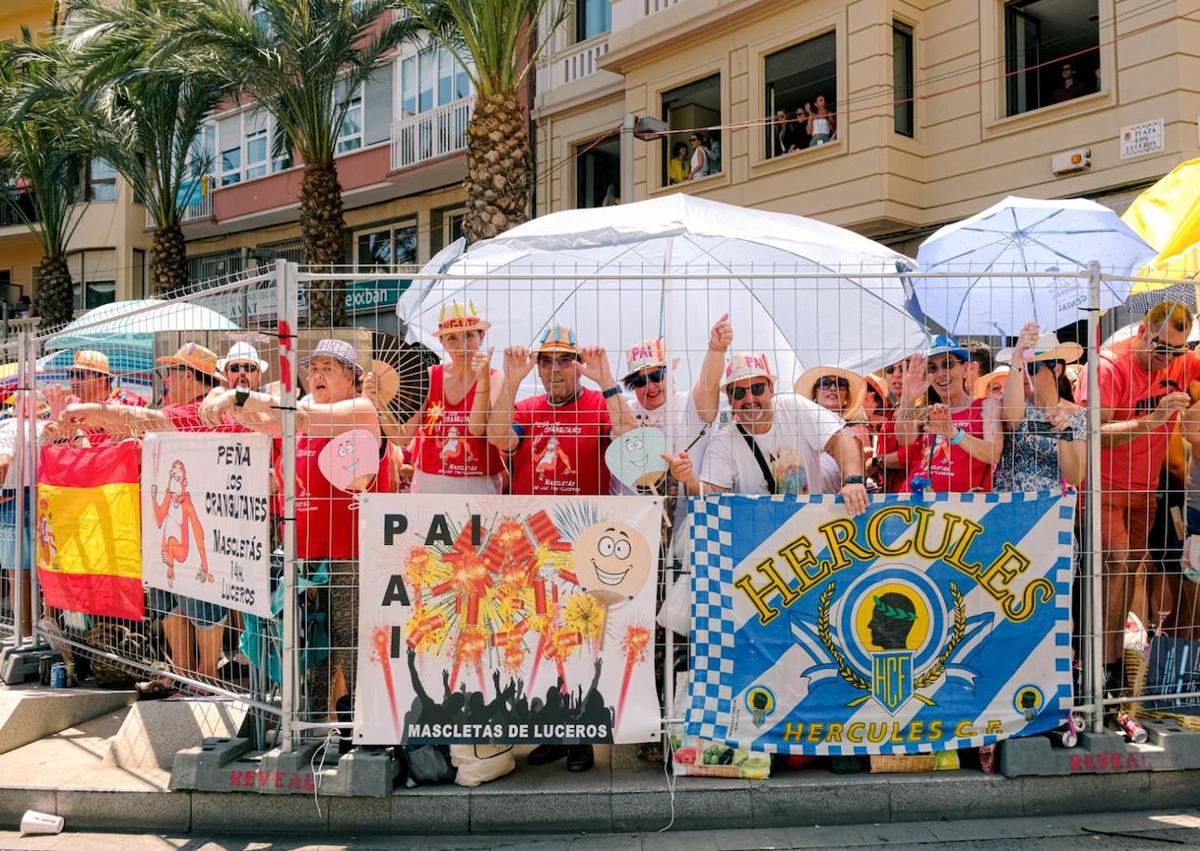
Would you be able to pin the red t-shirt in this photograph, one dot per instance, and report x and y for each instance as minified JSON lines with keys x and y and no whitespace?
{"x":443,"y":446}
{"x":561,"y":450}
{"x":896,"y":480}
{"x":951,"y":469}
{"x":1132,"y":392}
{"x":187,"y":418}
{"x":327,"y":517}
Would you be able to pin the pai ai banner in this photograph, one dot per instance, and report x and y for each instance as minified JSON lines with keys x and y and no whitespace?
{"x":506,"y":619}
{"x":925,"y":624}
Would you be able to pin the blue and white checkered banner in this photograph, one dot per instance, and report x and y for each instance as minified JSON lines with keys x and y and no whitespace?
{"x":926,"y":624}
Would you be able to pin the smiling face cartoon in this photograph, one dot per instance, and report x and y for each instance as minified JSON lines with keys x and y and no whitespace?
{"x":350,"y":460}
{"x":612,"y":561}
{"x":635,"y":457}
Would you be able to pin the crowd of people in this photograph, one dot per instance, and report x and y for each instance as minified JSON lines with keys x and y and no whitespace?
{"x":811,"y":125}
{"x":951,"y":418}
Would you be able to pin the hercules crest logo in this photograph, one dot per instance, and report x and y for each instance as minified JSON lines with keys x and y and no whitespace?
{"x":898,"y":637}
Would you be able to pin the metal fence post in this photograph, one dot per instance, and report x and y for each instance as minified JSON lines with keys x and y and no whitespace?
{"x":18,"y":602}
{"x":1095,"y":611}
{"x":288,"y":312}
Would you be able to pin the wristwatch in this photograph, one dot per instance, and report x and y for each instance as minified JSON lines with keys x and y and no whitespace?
{"x":240,"y":395}
{"x":612,"y":391}
{"x":853,"y":480}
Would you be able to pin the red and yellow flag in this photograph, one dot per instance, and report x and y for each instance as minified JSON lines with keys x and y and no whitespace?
{"x":89,"y":550}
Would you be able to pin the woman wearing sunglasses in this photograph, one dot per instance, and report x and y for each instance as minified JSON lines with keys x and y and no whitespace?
{"x":1047,"y":432}
{"x":960,"y":438}
{"x":842,"y":392}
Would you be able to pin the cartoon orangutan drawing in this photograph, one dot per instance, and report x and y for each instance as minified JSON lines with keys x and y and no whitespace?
{"x":454,"y":449}
{"x":177,"y":508}
{"x":550,"y":455}
{"x":47,"y":550}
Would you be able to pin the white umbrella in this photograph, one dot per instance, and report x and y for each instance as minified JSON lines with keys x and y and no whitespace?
{"x":615,"y":275}
{"x":1022,"y":235}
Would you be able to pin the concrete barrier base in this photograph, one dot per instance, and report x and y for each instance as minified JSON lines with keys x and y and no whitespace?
{"x":30,"y":713}
{"x":155,"y":731}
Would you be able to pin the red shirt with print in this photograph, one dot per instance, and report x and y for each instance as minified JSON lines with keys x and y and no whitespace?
{"x":443,"y":445}
{"x":950,"y":468}
{"x":561,"y":450}
{"x":327,"y":517}
{"x":896,"y":480}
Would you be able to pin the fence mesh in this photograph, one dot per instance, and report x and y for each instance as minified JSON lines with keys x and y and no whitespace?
{"x":489,"y":382}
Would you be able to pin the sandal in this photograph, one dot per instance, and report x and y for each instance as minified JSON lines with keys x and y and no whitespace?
{"x":153,"y":690}
{"x":650,"y":752}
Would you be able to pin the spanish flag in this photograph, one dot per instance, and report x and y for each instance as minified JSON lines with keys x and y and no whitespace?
{"x":88,"y":537}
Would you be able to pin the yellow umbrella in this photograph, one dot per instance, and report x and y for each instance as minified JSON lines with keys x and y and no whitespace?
{"x":1167,"y":215}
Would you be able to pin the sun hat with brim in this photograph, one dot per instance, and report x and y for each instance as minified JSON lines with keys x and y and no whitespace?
{"x":747,"y":365}
{"x":558,"y":338}
{"x":806,"y":385}
{"x":387,"y":380}
{"x":242,"y":352}
{"x":946,"y":345}
{"x":89,"y":360}
{"x":982,"y":382}
{"x":876,"y":383}
{"x":339,"y":350}
{"x":1047,"y":348}
{"x":460,"y":316}
{"x":648,"y":354}
{"x":195,"y":357}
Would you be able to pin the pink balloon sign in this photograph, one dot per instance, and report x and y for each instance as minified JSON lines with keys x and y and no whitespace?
{"x":350,"y":460}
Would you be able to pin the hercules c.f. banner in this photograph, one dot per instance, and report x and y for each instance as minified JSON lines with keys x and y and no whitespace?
{"x":926,"y":624}
{"x":506,"y":619}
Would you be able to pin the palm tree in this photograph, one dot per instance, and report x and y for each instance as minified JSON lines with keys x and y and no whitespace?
{"x":491,"y":40}
{"x":302,"y":60}
{"x":145,"y":116}
{"x":42,"y":158}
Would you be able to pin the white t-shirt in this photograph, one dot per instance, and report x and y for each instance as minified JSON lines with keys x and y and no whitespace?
{"x":8,"y":445}
{"x":792,"y":449}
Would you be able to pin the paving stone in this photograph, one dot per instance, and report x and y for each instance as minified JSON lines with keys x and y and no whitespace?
{"x":432,"y":810}
{"x":952,"y":793}
{"x":904,"y":833}
{"x":250,"y":812}
{"x":605,"y":842}
{"x":750,"y":840}
{"x":688,"y":840}
{"x":836,"y":836}
{"x":493,"y":812}
{"x":1174,"y":789}
{"x":14,"y":802}
{"x":813,"y":798}
{"x":360,"y":815}
{"x":124,"y":810}
{"x":1080,"y":793}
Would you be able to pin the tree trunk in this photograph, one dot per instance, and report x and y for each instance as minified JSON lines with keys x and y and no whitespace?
{"x":321,"y":226}
{"x":497,"y":181}
{"x":55,"y":295}
{"x":168,"y":260}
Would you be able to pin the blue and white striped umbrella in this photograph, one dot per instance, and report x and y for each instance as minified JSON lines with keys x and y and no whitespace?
{"x":1019,"y":236}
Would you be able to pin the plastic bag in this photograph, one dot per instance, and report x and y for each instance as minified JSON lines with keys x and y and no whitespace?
{"x":480,"y":763}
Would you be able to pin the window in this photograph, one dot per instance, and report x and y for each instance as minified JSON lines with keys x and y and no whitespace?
{"x":902,"y":78}
{"x":229,"y":136}
{"x":431,"y":78}
{"x":204,"y":267}
{"x":256,"y":144}
{"x":101,"y":180}
{"x":592,"y":17}
{"x":598,"y":174}
{"x":391,"y":245}
{"x":141,"y":275}
{"x":1052,"y":52}
{"x":801,"y":85}
{"x":445,"y":226}
{"x":687,"y":110}
{"x":94,"y":274}
{"x":377,"y":106}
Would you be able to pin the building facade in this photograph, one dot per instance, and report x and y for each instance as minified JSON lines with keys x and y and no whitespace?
{"x":937,"y":109}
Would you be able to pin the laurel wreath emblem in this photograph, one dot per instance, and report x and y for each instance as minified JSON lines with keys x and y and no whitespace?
{"x":928,"y":677}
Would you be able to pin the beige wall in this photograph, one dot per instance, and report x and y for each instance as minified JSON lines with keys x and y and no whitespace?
{"x":965,"y":155}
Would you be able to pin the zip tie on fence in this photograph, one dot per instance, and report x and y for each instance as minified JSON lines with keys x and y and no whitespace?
{"x":283,"y":408}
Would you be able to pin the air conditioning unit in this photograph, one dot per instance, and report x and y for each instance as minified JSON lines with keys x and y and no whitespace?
{"x":1071,"y":162}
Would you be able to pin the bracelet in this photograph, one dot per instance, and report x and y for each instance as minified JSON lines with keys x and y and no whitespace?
{"x":958,"y":438}
{"x":612,"y":391}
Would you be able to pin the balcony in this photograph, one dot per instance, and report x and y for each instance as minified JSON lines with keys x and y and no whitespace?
{"x":431,"y":135}
{"x":578,"y":61}
{"x":653,"y":7}
{"x":9,"y":217}
{"x":198,"y":202}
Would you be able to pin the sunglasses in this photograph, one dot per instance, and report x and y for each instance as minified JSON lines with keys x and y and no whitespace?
{"x":831,"y":383}
{"x":641,"y":380}
{"x":242,"y":367}
{"x":550,"y":361}
{"x":947,"y":365}
{"x":1168,"y":351}
{"x":889,"y":370}
{"x":755,"y":390}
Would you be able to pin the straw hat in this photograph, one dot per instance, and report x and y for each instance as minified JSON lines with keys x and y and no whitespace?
{"x":1047,"y":348}
{"x":89,"y":360}
{"x":559,"y":338}
{"x":339,"y":350}
{"x":460,"y":316}
{"x":242,"y":353}
{"x":747,"y":365}
{"x":195,"y":357}
{"x":982,"y":382}
{"x":387,"y":379}
{"x":877,"y":384}
{"x":648,"y":354}
{"x":806,"y":385}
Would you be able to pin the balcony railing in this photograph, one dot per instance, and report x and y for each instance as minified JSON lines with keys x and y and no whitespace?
{"x":199,"y":206}
{"x":432,"y":134}
{"x":9,"y":217}
{"x":654,"y":6}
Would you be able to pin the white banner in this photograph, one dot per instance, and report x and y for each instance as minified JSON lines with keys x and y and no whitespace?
{"x":506,"y":619}
{"x":206,"y":530}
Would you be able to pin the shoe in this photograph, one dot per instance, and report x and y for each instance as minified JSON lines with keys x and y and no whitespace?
{"x":580,"y":758}
{"x":345,"y":713}
{"x":546,"y":754}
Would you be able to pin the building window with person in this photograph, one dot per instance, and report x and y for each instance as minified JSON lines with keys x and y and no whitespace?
{"x":1052,"y":52}
{"x":693,"y":114}
{"x":795,"y":78}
